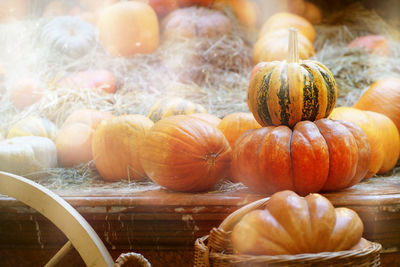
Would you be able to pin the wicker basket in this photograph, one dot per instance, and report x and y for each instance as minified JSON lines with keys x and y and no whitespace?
{"x":131,"y":259}
{"x":216,"y":250}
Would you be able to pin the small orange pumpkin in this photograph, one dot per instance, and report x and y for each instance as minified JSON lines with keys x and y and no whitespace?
{"x":374,"y":44}
{"x":26,"y":92}
{"x":246,"y":11}
{"x":91,"y":79}
{"x":183,"y":153}
{"x":163,"y":7}
{"x":129,"y":27}
{"x":74,"y":140}
{"x":116,"y":144}
{"x":312,"y":13}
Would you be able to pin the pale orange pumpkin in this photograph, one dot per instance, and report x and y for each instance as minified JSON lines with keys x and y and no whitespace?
{"x":383,"y":96}
{"x":273,"y":46}
{"x":74,"y":140}
{"x":290,"y":224}
{"x":284,"y":20}
{"x":382,"y":135}
{"x":129,"y":27}
{"x":91,"y":79}
{"x":26,"y":92}
{"x":374,"y":44}
{"x":183,"y":153}
{"x":116,"y":144}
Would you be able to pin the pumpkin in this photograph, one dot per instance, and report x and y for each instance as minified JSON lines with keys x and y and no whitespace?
{"x":194,"y":22}
{"x":382,"y":135}
{"x":183,"y":153}
{"x":116,"y":144}
{"x":383,"y":97}
{"x":128,"y":28}
{"x":211,"y":119}
{"x":69,"y":35}
{"x":27,"y":155}
{"x":235,"y":124}
{"x":284,"y":20}
{"x":33,"y":125}
{"x":311,"y":95}
{"x":322,"y":155}
{"x":170,"y":106}
{"x":273,"y":46}
{"x":74,"y":140}
{"x":374,"y":44}
{"x":163,"y":7}
{"x":290,"y":224}
{"x":26,"y":92}
{"x":186,"y":3}
{"x":312,"y":13}
{"x":246,"y":11}
{"x":91,"y":79}
{"x":11,"y":10}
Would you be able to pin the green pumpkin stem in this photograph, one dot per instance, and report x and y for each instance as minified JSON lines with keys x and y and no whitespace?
{"x":293,"y":46}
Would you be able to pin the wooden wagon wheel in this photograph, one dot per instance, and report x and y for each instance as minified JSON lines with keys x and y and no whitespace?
{"x":80,"y":234}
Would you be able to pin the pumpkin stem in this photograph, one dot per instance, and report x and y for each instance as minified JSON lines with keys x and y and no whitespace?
{"x":293,"y":46}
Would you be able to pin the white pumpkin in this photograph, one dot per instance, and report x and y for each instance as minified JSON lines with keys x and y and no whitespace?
{"x":33,"y":125}
{"x":27,"y":155}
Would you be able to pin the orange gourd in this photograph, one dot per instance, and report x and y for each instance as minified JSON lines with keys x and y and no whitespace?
{"x":290,"y":224}
{"x":74,"y":140}
{"x":235,"y":124}
{"x":383,"y":97}
{"x":91,"y":79}
{"x":323,"y":155}
{"x":246,"y":11}
{"x":116,"y":144}
{"x":26,"y":92}
{"x":374,"y":44}
{"x":312,"y":13}
{"x":183,"y":153}
{"x":284,"y":20}
{"x":163,"y":7}
{"x":129,"y":27}
{"x":382,"y":135}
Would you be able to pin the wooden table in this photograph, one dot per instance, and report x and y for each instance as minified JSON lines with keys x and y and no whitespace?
{"x":163,"y":225}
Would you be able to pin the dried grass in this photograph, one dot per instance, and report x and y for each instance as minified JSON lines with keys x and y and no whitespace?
{"x":222,"y":73}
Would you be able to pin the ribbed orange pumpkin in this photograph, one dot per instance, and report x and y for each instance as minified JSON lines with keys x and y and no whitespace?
{"x":382,"y":134}
{"x":129,"y":27}
{"x":383,"y":97}
{"x":290,"y":224}
{"x":235,"y":124}
{"x":74,"y":140}
{"x":284,"y":20}
{"x":115,"y":145}
{"x":286,"y":92}
{"x":183,"y":153}
{"x":322,"y":155}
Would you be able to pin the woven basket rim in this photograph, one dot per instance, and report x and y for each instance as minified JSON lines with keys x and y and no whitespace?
{"x":305,"y":257}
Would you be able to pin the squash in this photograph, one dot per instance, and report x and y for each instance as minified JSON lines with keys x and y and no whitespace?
{"x":284,"y":20}
{"x":163,"y":7}
{"x":373,"y":44}
{"x":11,"y":10}
{"x":246,"y":11}
{"x":273,"y":46}
{"x":192,"y":22}
{"x":186,"y":3}
{"x":235,"y":124}
{"x":116,"y":144}
{"x":27,"y":155}
{"x":170,"y":106}
{"x":33,"y":125}
{"x":74,"y":140}
{"x":91,"y":79}
{"x":26,"y":92}
{"x":322,"y":155}
{"x":312,"y":13}
{"x":69,"y":35}
{"x":128,"y":28}
{"x":211,"y":119}
{"x":383,"y":97}
{"x":183,"y":153}
{"x":382,"y":134}
{"x":311,"y":95}
{"x":290,"y":224}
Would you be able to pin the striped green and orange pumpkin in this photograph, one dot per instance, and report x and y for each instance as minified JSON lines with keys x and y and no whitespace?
{"x":173,"y":106}
{"x":286,"y":92}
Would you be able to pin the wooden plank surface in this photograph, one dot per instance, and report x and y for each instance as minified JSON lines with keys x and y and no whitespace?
{"x":161,"y":222}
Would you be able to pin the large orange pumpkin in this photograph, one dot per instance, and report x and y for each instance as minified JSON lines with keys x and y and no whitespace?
{"x":289,"y":224}
{"x":185,"y":154}
{"x":284,"y":20}
{"x":382,"y":134}
{"x":383,"y":97}
{"x":322,"y":155}
{"x":74,"y":140}
{"x":116,"y":144}
{"x":129,"y":27}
